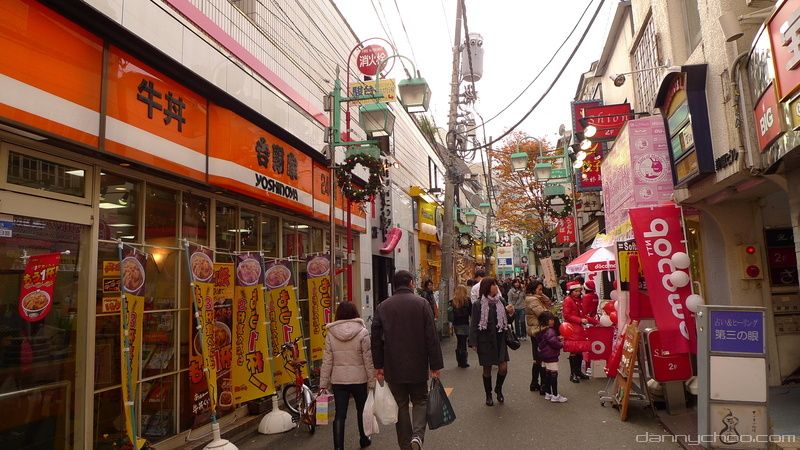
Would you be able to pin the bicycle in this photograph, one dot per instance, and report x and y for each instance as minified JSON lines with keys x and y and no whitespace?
{"x":298,"y":397}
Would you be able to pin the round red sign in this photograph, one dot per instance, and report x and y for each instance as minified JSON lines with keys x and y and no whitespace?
{"x":369,"y":58}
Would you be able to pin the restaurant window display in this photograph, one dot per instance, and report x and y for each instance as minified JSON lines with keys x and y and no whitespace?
{"x":40,"y":265}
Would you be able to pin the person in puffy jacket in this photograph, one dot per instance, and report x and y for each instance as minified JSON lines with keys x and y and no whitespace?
{"x":536,"y":302}
{"x":549,"y":350}
{"x":347,"y":369}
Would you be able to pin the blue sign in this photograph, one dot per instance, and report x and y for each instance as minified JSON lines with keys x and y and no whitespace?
{"x":505,"y":261}
{"x":736,"y":331}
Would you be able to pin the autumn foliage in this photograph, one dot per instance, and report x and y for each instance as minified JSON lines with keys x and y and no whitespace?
{"x":522,"y":207}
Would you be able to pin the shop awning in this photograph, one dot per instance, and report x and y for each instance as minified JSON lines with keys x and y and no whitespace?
{"x":593,"y":260}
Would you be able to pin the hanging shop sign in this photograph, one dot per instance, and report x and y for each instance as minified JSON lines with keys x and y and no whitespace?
{"x":384,"y":87}
{"x":781,"y":257}
{"x":767,"y":115}
{"x":636,"y":172}
{"x":578,"y":109}
{"x":38,"y":282}
{"x":767,"y":112}
{"x":608,"y":119}
{"x":626,"y":250}
{"x":659,"y":235}
{"x":284,"y":319}
{"x":428,"y":230}
{"x":784,"y":32}
{"x":666,"y":367}
{"x":133,"y":276}
{"x":590,"y":178}
{"x":201,"y":269}
{"x":66,"y":105}
{"x":565,"y":230}
{"x":250,"y":370}
{"x":153,"y":119}
{"x":320,"y":301}
{"x":682,"y":101}
{"x":369,"y":58}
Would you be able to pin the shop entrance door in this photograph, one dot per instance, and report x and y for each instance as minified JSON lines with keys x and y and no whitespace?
{"x":41,"y":367}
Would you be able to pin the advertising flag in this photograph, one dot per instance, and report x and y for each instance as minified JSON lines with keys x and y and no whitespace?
{"x":132,"y":280}
{"x":284,"y":319}
{"x":320,"y":302}
{"x":201,"y":269}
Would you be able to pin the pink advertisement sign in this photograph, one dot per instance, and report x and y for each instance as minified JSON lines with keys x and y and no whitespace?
{"x":636,"y":173}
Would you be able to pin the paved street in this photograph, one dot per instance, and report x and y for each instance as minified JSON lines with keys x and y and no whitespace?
{"x":524,"y":421}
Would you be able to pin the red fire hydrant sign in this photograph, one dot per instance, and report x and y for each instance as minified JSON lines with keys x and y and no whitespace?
{"x":38,"y":281}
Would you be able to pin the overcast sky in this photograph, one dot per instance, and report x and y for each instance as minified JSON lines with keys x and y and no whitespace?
{"x":519,"y":36}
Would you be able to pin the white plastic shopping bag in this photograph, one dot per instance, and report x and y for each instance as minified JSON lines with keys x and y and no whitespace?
{"x":370,"y":421}
{"x":385,"y":405}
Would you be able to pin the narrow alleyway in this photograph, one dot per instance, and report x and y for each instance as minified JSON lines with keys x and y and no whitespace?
{"x":526,"y":420}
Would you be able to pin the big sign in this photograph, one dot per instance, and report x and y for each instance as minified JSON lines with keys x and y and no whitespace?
{"x":659,"y":235}
{"x":369,"y":58}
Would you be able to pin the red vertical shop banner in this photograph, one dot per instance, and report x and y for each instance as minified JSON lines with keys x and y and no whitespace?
{"x":566,"y":230}
{"x":659,"y":235}
{"x":36,"y":294}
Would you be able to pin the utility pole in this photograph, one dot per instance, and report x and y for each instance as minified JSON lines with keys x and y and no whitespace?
{"x":490,"y":193}
{"x":450,"y":176}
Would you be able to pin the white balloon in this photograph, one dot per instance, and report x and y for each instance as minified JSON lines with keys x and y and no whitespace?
{"x":614,"y":294}
{"x":616,"y":305}
{"x":605,"y":321}
{"x":693,"y":301}
{"x":679,"y":278}
{"x":681,"y":260}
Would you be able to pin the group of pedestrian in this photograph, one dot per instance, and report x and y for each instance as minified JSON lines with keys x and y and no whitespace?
{"x":403,"y":349}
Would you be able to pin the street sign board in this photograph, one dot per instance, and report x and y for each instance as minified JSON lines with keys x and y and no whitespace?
{"x":737,"y":331}
{"x":387,"y":89}
{"x":369,"y":58}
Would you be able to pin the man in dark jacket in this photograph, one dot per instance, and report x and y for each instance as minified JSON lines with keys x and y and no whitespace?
{"x":405,"y":347}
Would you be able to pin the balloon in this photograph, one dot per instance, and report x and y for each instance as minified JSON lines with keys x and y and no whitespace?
{"x":605,"y":321}
{"x":613,"y":317}
{"x":679,"y":278}
{"x":616,"y":285}
{"x":614,"y":294}
{"x":567,"y":330}
{"x":616,"y":305}
{"x":693,"y":301}
{"x":608,"y":307}
{"x":680,"y":260}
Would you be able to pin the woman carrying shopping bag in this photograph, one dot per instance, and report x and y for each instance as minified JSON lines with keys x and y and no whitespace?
{"x":347,"y":369}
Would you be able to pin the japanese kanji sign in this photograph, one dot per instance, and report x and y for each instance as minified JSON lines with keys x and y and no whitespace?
{"x":387,"y":90}
{"x":369,"y":58}
{"x":736,"y":331}
{"x":784,"y":34}
{"x":38,"y":281}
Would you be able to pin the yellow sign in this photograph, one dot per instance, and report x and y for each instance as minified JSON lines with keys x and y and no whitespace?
{"x":794,"y":111}
{"x":204,"y":306}
{"x":251,"y":376}
{"x":111,"y":268}
{"x":284,"y":326}
{"x":365,"y":88}
{"x":319,"y":296}
{"x":133,"y":320}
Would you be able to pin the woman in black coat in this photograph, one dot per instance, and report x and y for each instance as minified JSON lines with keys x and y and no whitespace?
{"x":487,"y":335}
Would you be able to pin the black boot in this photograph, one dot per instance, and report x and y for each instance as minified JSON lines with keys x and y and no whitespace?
{"x":573,"y":370}
{"x":338,"y":435}
{"x":464,"y":358}
{"x":535,"y":369}
{"x":365,"y":441}
{"x":498,"y":388}
{"x":458,"y":358}
{"x":487,"y":387}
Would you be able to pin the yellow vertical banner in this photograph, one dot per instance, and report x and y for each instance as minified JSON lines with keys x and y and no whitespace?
{"x":319,"y":300}
{"x":284,"y":320}
{"x":223,"y":336}
{"x":201,"y":267}
{"x":251,"y":377}
{"x":132,"y":280}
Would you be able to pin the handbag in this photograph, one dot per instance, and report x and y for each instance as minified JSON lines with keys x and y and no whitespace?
{"x":512,"y":341}
{"x":324,"y":409}
{"x":439,"y":412}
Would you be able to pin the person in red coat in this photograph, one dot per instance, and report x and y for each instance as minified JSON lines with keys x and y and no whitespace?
{"x":573,"y":313}
{"x":590,"y":301}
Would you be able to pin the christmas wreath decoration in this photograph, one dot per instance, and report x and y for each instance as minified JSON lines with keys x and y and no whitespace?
{"x":345,"y":177}
{"x":465,"y":241}
{"x":564,"y":213}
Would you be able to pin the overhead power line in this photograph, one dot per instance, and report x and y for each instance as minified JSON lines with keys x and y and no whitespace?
{"x":403,"y":24}
{"x":552,"y":58}
{"x":553,"y":83}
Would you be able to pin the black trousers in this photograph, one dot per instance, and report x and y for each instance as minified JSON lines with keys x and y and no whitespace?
{"x":341,"y":397}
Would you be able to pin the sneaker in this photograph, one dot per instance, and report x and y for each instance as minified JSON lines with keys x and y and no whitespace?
{"x":548,"y":397}
{"x":416,"y":442}
{"x":557,"y":399}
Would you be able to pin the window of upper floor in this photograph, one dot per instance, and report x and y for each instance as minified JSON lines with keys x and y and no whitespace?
{"x":691,"y":23}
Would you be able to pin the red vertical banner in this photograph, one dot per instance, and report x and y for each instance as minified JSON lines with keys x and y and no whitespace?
{"x":566,"y":230}
{"x":659,"y":235}
{"x":36,"y":294}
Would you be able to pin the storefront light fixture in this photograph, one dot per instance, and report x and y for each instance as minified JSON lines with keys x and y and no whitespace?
{"x":376,"y":119}
{"x":108,"y":205}
{"x":76,"y":172}
{"x":415,"y":94}
{"x":470,"y":216}
{"x":485,"y":208}
{"x":519,"y":161}
{"x":590,"y":131}
{"x":543,"y":171}
{"x":586,"y":144}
